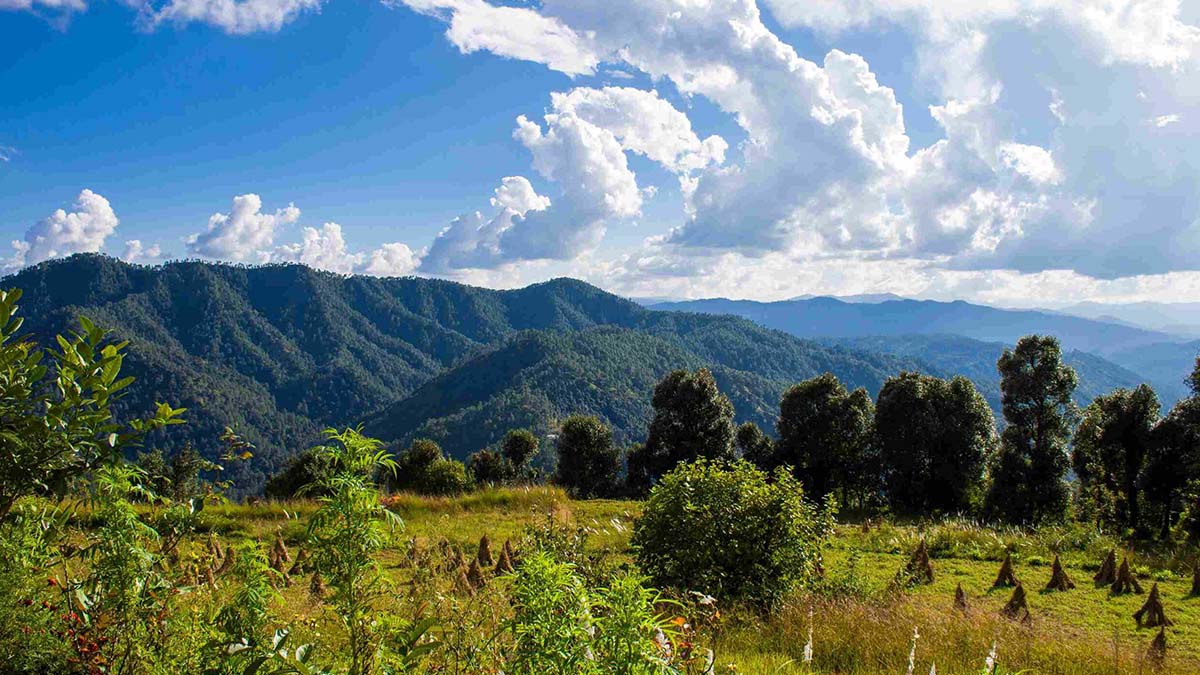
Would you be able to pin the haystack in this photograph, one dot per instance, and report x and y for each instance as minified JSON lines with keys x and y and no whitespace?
{"x":1059,"y":581}
{"x":918,"y":569}
{"x":1157,"y":653}
{"x":485,"y":552}
{"x":475,"y":576}
{"x":316,"y":587}
{"x":1006,"y":578}
{"x":1151,"y":614}
{"x":284,"y":554}
{"x":1017,"y":608}
{"x":960,"y":599}
{"x":1125,"y":581}
{"x":301,"y":564}
{"x":1196,"y":579}
{"x":503,"y":563}
{"x":1107,"y":573}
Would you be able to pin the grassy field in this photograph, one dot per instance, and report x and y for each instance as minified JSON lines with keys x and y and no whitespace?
{"x":860,"y":622}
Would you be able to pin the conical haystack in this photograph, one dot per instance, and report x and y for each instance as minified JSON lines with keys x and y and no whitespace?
{"x":284,"y":554}
{"x":1006,"y":578}
{"x":1196,"y":579}
{"x":1151,"y":614}
{"x":503,"y":563}
{"x":475,"y":576}
{"x":462,"y":584}
{"x":1017,"y":608}
{"x":1125,"y":581}
{"x":1059,"y":581}
{"x":918,"y":569}
{"x":316,"y":587}
{"x":1157,"y":653}
{"x":960,"y":599}
{"x":227,"y":563}
{"x":512,"y":555}
{"x":1107,"y":573}
{"x":455,"y":561}
{"x":485,"y":552}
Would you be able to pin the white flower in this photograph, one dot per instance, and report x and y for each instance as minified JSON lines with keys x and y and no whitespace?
{"x":912,"y":652}
{"x":989,"y":664}
{"x":808,"y":648}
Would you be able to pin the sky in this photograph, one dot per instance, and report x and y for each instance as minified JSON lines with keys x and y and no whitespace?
{"x":1013,"y":152}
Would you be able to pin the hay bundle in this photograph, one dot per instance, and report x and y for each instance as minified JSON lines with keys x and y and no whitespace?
{"x":316,"y":587}
{"x":1125,"y":581}
{"x":1059,"y":581}
{"x":1157,"y":653}
{"x":1151,"y":614}
{"x":512,"y":555}
{"x":1007,"y":578}
{"x":960,"y":599}
{"x":475,"y":576}
{"x":281,"y":548}
{"x":1107,"y":573}
{"x":1017,"y":608}
{"x":214,"y":547}
{"x":227,"y":563}
{"x":503,"y":563}
{"x":462,"y":584}
{"x":485,"y":552}
{"x":918,"y":569}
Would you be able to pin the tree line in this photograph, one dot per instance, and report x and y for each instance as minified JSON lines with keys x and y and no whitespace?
{"x":926,"y":446}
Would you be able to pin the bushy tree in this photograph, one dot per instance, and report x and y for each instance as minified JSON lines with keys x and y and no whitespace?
{"x":1028,"y":483}
{"x":692,"y":419}
{"x":518,"y":448}
{"x":489,"y":467}
{"x":56,"y":407}
{"x":755,"y":446}
{"x":934,"y":438}
{"x":1112,"y":445}
{"x":825,"y":436}
{"x":1172,"y":473}
{"x":588,"y":463}
{"x":305,"y":471}
{"x":730,"y":530}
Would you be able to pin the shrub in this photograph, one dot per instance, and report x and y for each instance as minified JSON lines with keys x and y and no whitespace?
{"x":730,"y":530}
{"x":444,"y":477}
{"x":588,"y":464}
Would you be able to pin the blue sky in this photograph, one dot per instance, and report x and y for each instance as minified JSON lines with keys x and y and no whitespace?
{"x":900,"y":145}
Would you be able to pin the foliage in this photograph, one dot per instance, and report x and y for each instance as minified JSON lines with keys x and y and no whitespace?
{"x":489,"y":467}
{"x":755,"y":446}
{"x":303,"y":472}
{"x":56,"y":407}
{"x":825,"y":436}
{"x":1028,"y":483}
{"x":934,"y":438}
{"x":423,"y":469}
{"x":1173,"y":464}
{"x":178,"y":478}
{"x":1112,"y":445}
{"x":692,"y":419}
{"x":588,"y":463}
{"x":347,"y":532}
{"x":730,"y":530}
{"x":518,"y":448}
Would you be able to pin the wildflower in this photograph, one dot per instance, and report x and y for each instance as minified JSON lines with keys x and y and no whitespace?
{"x":704,"y":599}
{"x":808,"y":647}
{"x":933,"y":669}
{"x":912,"y":652}
{"x":989,"y":664}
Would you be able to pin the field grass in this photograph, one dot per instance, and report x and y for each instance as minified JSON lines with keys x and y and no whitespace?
{"x":860,"y":622}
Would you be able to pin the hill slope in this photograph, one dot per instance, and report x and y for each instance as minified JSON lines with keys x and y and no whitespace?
{"x":279,"y":352}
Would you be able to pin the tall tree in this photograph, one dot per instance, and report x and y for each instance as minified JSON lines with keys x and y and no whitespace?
{"x":1174,"y":461}
{"x":825,"y":435}
{"x":755,"y":446}
{"x":588,"y":463}
{"x":518,"y":447}
{"x":1112,"y":444}
{"x":1028,"y":484}
{"x":692,"y":418}
{"x":934,"y":438}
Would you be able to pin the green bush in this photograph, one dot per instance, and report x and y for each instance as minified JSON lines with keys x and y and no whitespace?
{"x":729,"y":530}
{"x":444,"y":477}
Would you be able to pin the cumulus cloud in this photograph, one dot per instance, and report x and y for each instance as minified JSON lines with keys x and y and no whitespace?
{"x":63,"y":233}
{"x":1045,"y":160}
{"x":245,"y":234}
{"x":323,"y":248}
{"x":137,"y":252}
{"x":391,"y":260}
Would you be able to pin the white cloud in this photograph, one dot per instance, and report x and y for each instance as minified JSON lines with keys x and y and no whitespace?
{"x":7,"y":152}
{"x":55,"y":5}
{"x":137,"y":252}
{"x":1164,"y":120}
{"x":245,"y":234}
{"x":514,"y":32}
{"x":236,"y":17}
{"x":391,"y":260}
{"x":63,"y":233}
{"x":517,"y":194}
{"x":323,"y":249}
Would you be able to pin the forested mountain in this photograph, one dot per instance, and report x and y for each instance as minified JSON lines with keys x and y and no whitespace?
{"x":976,"y":360}
{"x":830,"y":317}
{"x":278,"y":352}
{"x":537,"y":378}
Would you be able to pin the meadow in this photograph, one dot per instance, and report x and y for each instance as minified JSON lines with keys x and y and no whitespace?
{"x":860,"y":622}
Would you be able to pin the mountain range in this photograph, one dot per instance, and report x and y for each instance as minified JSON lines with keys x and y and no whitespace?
{"x":279,"y":352}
